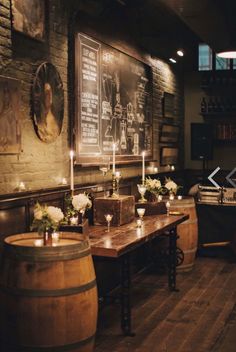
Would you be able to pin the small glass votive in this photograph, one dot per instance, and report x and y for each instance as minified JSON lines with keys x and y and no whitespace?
{"x":141,"y":212}
{"x":171,"y":197}
{"x":74,"y":220}
{"x":168,"y":208}
{"x":63,"y":181}
{"x":180,"y":197}
{"x":159,"y":198}
{"x":139,"y":223}
{"x":55,"y":238}
{"x":172,"y":167}
{"x":38,"y":243}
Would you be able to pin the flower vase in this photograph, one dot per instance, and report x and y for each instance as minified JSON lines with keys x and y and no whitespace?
{"x":80,"y":217}
{"x":47,"y":238}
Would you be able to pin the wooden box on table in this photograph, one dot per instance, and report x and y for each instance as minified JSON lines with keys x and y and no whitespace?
{"x":122,"y":209}
{"x":151,"y":208}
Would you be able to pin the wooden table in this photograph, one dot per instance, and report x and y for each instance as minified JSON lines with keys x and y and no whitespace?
{"x":121,"y":241}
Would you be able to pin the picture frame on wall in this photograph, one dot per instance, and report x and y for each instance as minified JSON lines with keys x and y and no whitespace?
{"x":169,"y":133}
{"x":28,"y":18}
{"x":169,"y":156}
{"x":168,"y":105}
{"x":10,"y":129}
{"x":113,"y":107}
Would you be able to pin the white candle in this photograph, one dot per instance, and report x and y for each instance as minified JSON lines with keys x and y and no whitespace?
{"x":180,"y":197}
{"x":159,"y":198}
{"x":171,"y":197}
{"x":114,"y":158}
{"x":72,"y":170}
{"x":143,"y":167}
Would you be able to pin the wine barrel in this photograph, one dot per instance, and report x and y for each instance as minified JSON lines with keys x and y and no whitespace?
{"x":187,"y":231}
{"x":48,"y":295}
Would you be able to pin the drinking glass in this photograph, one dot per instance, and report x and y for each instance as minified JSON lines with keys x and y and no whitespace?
{"x":104,"y":167}
{"x":108,"y":218}
{"x":141,"y":212}
{"x":142,"y":190}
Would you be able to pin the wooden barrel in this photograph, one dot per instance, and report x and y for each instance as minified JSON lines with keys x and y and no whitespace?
{"x":48,"y":295}
{"x":187,"y":231}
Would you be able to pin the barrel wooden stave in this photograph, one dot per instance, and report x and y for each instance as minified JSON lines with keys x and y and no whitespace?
{"x":48,"y":304}
{"x":187,"y":231}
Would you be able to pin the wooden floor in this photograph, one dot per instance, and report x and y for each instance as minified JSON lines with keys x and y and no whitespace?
{"x":195,"y":319}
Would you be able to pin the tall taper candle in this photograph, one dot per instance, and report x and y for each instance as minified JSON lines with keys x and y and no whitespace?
{"x":72,"y":170}
{"x":143,"y":168}
{"x":113,"y":158}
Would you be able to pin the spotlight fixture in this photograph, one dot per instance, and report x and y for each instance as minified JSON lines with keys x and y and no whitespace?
{"x":180,"y":52}
{"x":227,"y":54}
{"x":172,"y":60}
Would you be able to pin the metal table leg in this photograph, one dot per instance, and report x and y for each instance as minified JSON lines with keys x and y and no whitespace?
{"x":172,"y":259}
{"x":125,"y":296}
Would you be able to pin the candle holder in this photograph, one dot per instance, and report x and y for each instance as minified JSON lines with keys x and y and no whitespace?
{"x":142,"y":190}
{"x":108,"y":218}
{"x":171,"y":196}
{"x":179,"y":197}
{"x":141,"y":212}
{"x":74,"y":220}
{"x":114,"y":193}
{"x":139,"y":223}
{"x":159,"y":198}
{"x":104,"y":167}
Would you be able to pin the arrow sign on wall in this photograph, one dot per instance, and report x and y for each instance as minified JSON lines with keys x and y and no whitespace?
{"x":213,"y":174}
{"x":228,"y":178}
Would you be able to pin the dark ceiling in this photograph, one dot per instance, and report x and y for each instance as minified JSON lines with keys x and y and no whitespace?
{"x":162,"y":26}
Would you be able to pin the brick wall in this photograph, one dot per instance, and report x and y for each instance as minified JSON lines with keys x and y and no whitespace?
{"x":42,"y":165}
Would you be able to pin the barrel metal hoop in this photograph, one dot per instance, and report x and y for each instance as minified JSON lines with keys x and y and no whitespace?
{"x":22,"y":255}
{"x":25,"y":292}
{"x":64,"y":348}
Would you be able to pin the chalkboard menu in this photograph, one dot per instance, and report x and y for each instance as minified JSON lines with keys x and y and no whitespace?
{"x":113,"y":103}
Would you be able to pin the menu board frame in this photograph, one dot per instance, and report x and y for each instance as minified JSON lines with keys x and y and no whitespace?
{"x":93,"y":112}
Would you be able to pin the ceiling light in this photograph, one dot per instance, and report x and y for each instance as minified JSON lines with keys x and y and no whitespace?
{"x":180,"y":52}
{"x":172,"y":60}
{"x":230,"y":54}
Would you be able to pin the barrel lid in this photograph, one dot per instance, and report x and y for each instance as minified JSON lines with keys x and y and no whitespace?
{"x":70,"y":244}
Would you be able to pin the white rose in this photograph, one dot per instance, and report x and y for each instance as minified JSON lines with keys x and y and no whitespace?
{"x":38,"y":214}
{"x":55,"y":214}
{"x":171,"y":186}
{"x":81,"y":202}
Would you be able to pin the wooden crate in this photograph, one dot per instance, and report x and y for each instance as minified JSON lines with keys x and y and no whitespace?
{"x":151,"y":208}
{"x":122,"y":209}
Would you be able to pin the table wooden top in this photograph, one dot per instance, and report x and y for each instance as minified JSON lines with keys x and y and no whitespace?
{"x":121,"y":240}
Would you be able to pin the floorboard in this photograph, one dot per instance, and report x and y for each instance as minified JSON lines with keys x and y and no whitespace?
{"x":198,"y":318}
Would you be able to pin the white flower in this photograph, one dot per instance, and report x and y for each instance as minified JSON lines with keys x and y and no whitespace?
{"x":38,"y":213}
{"x":55,"y":214}
{"x":80,"y":202}
{"x":152,"y":184}
{"x":171,"y":186}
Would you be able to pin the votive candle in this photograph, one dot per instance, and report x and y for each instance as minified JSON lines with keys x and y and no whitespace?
{"x":143,"y":167}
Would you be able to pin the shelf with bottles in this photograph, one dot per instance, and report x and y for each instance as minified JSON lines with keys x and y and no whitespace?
{"x":225,"y":133}
{"x":218,"y":106}
{"x":222,"y":80}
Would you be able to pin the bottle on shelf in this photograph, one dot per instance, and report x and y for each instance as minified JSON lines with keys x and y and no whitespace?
{"x":203,"y":105}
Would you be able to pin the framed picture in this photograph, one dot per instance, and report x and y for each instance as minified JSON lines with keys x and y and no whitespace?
{"x":48,"y":102}
{"x":10,"y":132}
{"x":168,"y":105}
{"x":169,"y":156}
{"x":169,"y":133}
{"x":28,"y":17}
{"x":113,"y":104}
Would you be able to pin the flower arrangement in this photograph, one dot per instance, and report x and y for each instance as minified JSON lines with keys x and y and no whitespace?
{"x":46,"y":218}
{"x":81,"y":202}
{"x":171,"y":186}
{"x":155,"y":187}
{"x":77,"y":204}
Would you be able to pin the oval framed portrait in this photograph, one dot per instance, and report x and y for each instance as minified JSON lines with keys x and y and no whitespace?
{"x":48,"y":102}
